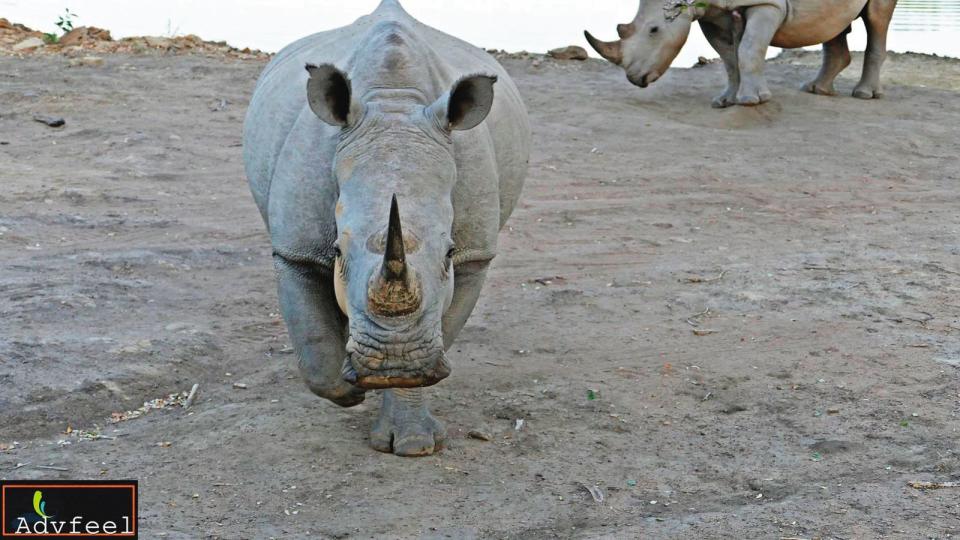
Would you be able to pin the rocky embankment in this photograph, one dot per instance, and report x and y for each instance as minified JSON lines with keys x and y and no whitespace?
{"x":86,"y":42}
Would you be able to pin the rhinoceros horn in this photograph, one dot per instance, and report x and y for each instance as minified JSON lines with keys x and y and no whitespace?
{"x":611,"y":50}
{"x":396,"y":292}
{"x":394,"y":257}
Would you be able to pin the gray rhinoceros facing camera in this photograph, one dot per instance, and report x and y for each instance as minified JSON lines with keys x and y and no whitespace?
{"x":384,"y":157}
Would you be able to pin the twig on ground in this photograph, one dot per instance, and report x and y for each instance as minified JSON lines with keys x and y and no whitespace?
{"x":825,"y":268}
{"x":933,"y":485}
{"x":921,"y":322}
{"x":51,"y":468}
{"x":595,"y":493}
{"x":940,"y":268}
{"x":692,"y":320}
{"x":191,"y":396}
{"x":698,"y":279}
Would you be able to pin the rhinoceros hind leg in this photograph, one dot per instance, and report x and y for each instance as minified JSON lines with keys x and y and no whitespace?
{"x":405,"y":427}
{"x":762,"y":23}
{"x":876,"y":17}
{"x":836,"y":58}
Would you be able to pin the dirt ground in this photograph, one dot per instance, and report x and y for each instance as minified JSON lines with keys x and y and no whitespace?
{"x":745,"y":326}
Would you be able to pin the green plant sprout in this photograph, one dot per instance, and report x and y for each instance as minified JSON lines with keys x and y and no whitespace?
{"x":64,"y":23}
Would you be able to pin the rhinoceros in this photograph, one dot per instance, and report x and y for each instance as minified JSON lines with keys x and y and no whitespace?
{"x":384,"y":156}
{"x":741,"y":31}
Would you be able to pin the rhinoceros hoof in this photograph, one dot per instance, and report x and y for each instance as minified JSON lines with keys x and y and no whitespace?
{"x":820,"y":89}
{"x":723,"y":101}
{"x":406,"y":432}
{"x":752,"y":99}
{"x":867,"y":92}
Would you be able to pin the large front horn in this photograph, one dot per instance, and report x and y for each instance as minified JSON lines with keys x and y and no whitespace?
{"x":611,"y":50}
{"x":396,"y":291}
{"x":394,"y":256}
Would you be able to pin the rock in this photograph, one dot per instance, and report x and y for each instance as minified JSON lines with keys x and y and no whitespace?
{"x":176,"y":327}
{"x":480,"y":434}
{"x":573,"y":52}
{"x":85,"y":34}
{"x":52,"y":121}
{"x":87,"y":61}
{"x":29,"y":43}
{"x":158,"y":42}
{"x":704,"y":61}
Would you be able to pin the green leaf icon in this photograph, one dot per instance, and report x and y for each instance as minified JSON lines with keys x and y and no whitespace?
{"x":39,"y":506}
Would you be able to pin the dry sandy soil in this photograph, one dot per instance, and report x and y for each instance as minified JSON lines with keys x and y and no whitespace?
{"x":762,"y":303}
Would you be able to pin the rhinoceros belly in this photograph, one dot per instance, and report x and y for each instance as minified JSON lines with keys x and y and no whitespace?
{"x":812,"y":22}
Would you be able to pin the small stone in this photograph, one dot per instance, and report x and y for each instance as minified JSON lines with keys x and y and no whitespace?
{"x":480,"y":435}
{"x":28,"y":44}
{"x":240,"y":386}
{"x":573,"y":52}
{"x":91,"y":61}
{"x":176,"y":327}
{"x":52,"y":121}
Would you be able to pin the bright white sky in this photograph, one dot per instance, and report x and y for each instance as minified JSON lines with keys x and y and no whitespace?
{"x":533,"y":25}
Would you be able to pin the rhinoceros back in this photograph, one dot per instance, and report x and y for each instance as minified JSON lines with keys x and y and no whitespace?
{"x":279,"y":119}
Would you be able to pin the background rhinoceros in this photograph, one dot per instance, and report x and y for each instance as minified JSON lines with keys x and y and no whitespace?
{"x":741,"y":31}
{"x":384,"y":171}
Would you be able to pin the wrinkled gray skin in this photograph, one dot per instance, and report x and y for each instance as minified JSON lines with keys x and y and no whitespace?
{"x":741,"y":31}
{"x":374,"y":292}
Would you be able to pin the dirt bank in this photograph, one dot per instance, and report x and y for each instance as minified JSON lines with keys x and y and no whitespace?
{"x":761,"y":303}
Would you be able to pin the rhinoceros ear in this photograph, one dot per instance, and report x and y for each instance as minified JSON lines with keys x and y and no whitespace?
{"x":466,"y":105}
{"x":330,"y":96}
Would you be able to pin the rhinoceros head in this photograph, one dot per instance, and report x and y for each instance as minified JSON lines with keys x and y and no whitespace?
{"x":395,"y":169}
{"x":649,"y":44}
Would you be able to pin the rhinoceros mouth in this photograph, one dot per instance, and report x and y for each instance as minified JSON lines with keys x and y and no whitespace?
{"x":371,"y":363}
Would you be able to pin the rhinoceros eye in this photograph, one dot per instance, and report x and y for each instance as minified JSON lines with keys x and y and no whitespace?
{"x":655,"y":29}
{"x":450,"y":253}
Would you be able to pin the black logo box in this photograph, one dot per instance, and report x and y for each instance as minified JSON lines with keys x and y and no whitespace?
{"x":98,"y":501}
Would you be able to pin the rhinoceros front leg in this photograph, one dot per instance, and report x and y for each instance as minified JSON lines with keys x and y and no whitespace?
{"x":317,"y":330}
{"x":836,"y":57}
{"x":405,"y":426}
{"x":724,"y":42}
{"x":762,"y":23}
{"x":876,"y":17}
